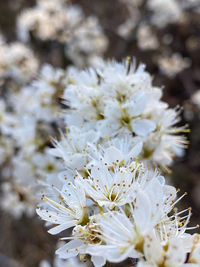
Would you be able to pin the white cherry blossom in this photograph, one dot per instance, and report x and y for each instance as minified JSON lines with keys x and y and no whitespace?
{"x":67,"y":209}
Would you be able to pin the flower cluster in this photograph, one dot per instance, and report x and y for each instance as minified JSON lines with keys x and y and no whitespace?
{"x":150,"y":25}
{"x":17,"y":62}
{"x":27,"y":118}
{"x":65,"y":23}
{"x":31,"y":96}
{"x":120,"y":100}
{"x":117,"y":207}
{"x":90,"y":148}
{"x":156,"y":13}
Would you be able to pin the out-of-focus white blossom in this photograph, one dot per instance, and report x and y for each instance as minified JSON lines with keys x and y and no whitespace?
{"x":146,"y":39}
{"x":6,"y":149}
{"x":127,"y":27}
{"x":191,"y":4}
{"x":88,"y":42}
{"x":195,"y":98}
{"x":66,"y":23}
{"x":6,"y":119}
{"x":42,"y":95}
{"x":164,"y":11}
{"x":25,"y":137}
{"x":17,"y":200}
{"x":171,"y":66}
{"x":48,"y":20}
{"x":17,"y":62}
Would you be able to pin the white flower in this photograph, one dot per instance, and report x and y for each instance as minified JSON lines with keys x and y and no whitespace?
{"x":67,"y":208}
{"x":123,"y":149}
{"x":18,"y":62}
{"x":127,"y":115}
{"x":72,"y":147}
{"x":111,"y":179}
{"x":41,"y":95}
{"x":165,"y":142}
{"x":109,"y":189}
{"x":89,"y":104}
{"x":171,"y":253}
{"x":164,"y":11}
{"x":84,"y":242}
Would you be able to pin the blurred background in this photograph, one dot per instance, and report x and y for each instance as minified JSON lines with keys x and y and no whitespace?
{"x":164,"y":35}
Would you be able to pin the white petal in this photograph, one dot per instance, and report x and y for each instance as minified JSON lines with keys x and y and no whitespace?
{"x":152,"y":249}
{"x":142,"y":126}
{"x":137,"y":104}
{"x":71,"y":249}
{"x":145,"y":264}
{"x":98,"y":261}
{"x":59,"y":228}
{"x":113,"y":154}
{"x":135,"y":151}
{"x":142,"y":212}
{"x":115,"y":254}
{"x":176,"y":254}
